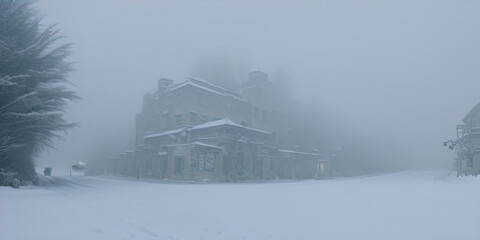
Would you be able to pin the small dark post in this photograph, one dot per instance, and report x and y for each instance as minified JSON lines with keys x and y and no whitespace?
{"x":47,"y":171}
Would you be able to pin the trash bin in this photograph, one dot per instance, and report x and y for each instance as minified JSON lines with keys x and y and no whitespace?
{"x":47,"y":171}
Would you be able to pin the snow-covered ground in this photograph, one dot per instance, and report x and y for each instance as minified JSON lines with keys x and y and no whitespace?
{"x":406,"y":205}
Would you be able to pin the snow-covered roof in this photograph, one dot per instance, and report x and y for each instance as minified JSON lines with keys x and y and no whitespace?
{"x":257,"y":71}
{"x":297,"y":152}
{"x":206,"y":145}
{"x":165,"y":133}
{"x":249,"y":141}
{"x":223,"y":122}
{"x":215,"y":123}
{"x":205,"y":85}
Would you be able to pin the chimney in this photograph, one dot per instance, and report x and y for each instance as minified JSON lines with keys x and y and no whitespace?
{"x":258,"y":77}
{"x":163,"y":84}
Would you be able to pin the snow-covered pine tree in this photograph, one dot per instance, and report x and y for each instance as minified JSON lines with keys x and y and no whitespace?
{"x":33,"y":91}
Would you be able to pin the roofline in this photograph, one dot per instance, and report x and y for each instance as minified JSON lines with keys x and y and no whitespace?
{"x":297,"y":152}
{"x":215,"y":86}
{"x":228,"y":124}
{"x":165,"y":133}
{"x":193,"y":128}
{"x":198,"y":143}
{"x":255,"y":71}
{"x":196,"y":82}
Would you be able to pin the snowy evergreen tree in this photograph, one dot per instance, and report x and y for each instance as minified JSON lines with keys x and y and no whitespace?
{"x":33,"y":91}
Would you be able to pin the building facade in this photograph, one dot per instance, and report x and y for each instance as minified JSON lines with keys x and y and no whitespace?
{"x":468,"y":144}
{"x":198,"y":131}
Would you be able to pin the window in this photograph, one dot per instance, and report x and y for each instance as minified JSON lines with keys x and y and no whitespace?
{"x":204,"y":161}
{"x":204,"y":118}
{"x":258,"y":167}
{"x":240,"y":165}
{"x":193,"y":117}
{"x":226,"y":165}
{"x":179,"y":119}
{"x":320,"y":167}
{"x":470,"y":163}
{"x":178,"y":164}
{"x":209,"y":161}
{"x":149,"y":167}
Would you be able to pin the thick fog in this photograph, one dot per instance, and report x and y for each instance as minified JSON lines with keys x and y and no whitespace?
{"x":392,"y":78}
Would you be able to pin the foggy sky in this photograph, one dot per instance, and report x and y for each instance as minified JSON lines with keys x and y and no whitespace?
{"x":398,"y":75}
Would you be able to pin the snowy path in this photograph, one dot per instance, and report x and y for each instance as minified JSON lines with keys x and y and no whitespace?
{"x":406,"y":205}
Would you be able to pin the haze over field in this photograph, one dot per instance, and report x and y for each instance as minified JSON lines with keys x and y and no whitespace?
{"x":394,"y":77}
{"x":344,"y":142}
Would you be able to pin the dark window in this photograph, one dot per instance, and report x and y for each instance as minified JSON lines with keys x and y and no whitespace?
{"x":164,"y":165}
{"x":475,"y":130}
{"x":179,"y":119}
{"x":258,"y":167}
{"x":178,"y":163}
{"x":204,"y":161}
{"x":204,"y":118}
{"x":240,"y":163}
{"x":149,"y":166}
{"x":226,"y":165}
{"x":193,"y":117}
{"x":209,"y":162}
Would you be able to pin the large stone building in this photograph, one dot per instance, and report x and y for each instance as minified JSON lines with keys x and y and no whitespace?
{"x":195,"y":130}
{"x":468,"y":144}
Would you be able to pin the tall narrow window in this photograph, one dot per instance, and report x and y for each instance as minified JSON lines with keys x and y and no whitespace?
{"x":193,"y":117}
{"x":204,"y":118}
{"x":178,"y":164}
{"x":240,"y":164}
{"x":179,"y":119}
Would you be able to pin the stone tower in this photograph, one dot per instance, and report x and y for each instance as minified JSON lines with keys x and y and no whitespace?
{"x":257,"y":90}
